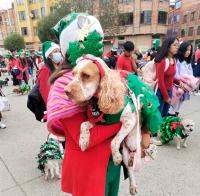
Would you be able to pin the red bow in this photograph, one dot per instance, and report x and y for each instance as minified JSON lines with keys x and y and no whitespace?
{"x":174,"y":125}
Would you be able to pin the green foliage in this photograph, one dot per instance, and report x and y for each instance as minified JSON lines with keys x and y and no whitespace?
{"x":14,"y":42}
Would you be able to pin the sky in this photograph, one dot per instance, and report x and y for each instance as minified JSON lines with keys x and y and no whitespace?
{"x":4,"y":4}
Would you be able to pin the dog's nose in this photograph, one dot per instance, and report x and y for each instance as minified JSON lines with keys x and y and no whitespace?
{"x":67,"y":90}
{"x":191,"y":130}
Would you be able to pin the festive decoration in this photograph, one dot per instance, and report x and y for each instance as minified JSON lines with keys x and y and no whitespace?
{"x":79,"y":33}
{"x":50,"y":150}
{"x":91,"y":45}
{"x":25,"y":88}
{"x":170,"y":127}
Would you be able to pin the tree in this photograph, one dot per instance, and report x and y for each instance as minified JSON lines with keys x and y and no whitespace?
{"x":14,"y":42}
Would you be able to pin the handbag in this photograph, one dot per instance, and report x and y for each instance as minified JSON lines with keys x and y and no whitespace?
{"x":35,"y":103}
{"x":4,"y":104}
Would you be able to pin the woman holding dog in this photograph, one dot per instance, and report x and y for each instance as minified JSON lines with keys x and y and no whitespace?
{"x":184,"y":73}
{"x":165,"y":71}
{"x":91,"y":172}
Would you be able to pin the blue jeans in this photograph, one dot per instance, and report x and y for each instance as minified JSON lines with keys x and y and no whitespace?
{"x":164,"y":106}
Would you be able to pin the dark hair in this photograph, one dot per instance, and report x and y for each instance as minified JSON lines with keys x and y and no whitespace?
{"x":50,"y":65}
{"x":23,"y":61}
{"x":129,"y":46}
{"x":163,"y":52}
{"x":198,"y":46}
{"x":182,"y":50}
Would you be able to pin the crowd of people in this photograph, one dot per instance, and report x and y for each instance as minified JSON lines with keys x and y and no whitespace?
{"x":93,"y":172}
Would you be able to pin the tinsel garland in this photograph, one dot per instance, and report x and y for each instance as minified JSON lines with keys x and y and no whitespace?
{"x":50,"y":150}
{"x":25,"y":87}
{"x":91,"y":45}
{"x":170,"y":126}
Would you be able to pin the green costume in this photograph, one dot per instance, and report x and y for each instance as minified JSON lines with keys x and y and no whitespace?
{"x":150,"y":115}
{"x":171,"y":127}
{"x":151,"y":120}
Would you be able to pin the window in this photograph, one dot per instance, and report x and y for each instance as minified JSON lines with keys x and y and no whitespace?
{"x":178,"y":4}
{"x":198,"y":30}
{"x":184,"y":18}
{"x":125,"y":1}
{"x":33,"y":1}
{"x":1,"y":20}
{"x":20,"y":2}
{"x":162,"y":17}
{"x":190,"y":32}
{"x":183,"y":32}
{"x":52,"y":9}
{"x":22,"y":15}
{"x":145,"y":17}
{"x":105,"y":1}
{"x":35,"y":31}
{"x":34,"y":14}
{"x":24,"y":31}
{"x":42,"y":11}
{"x":126,"y":19}
{"x":192,"y":16}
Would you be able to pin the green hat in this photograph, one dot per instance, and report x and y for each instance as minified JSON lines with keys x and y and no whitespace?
{"x":8,"y":56}
{"x":38,"y":53}
{"x":156,"y":43}
{"x":20,"y":52}
{"x":79,"y":33}
{"x":114,"y":49}
{"x":48,"y":47}
{"x":27,"y":54}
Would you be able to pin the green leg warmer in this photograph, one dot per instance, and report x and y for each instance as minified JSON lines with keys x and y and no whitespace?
{"x":112,"y":179}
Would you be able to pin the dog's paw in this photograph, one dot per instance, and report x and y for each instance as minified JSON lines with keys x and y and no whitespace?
{"x":185,"y":145}
{"x":117,"y":158}
{"x":151,"y":151}
{"x":157,"y":142}
{"x":133,"y":190}
{"x":84,"y":140}
{"x":86,"y":126}
{"x":178,"y":147}
{"x":52,"y":169}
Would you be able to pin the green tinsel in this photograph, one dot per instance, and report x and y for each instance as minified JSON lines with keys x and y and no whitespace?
{"x":49,"y":150}
{"x":91,"y":45}
{"x":25,"y":87}
{"x":166,"y":129}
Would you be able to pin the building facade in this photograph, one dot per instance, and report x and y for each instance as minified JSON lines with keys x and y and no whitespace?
{"x":145,"y":20}
{"x":7,"y":24}
{"x":184,"y":21}
{"x":28,"y":13}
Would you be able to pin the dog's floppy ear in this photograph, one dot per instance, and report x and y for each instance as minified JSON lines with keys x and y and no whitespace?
{"x":112,"y":92}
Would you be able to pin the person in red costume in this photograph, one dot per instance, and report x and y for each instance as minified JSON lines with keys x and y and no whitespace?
{"x":22,"y":66}
{"x":125,"y":60}
{"x":52,"y":58}
{"x":166,"y":78}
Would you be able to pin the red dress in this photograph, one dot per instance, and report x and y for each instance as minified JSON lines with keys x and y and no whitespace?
{"x":84,"y":173}
{"x":43,"y":81}
{"x":22,"y":70}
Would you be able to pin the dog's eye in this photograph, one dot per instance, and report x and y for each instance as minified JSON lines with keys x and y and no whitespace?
{"x":187,"y":125}
{"x":85,"y":76}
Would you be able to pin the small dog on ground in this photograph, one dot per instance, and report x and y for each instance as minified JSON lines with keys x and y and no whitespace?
{"x":18,"y":91}
{"x":4,"y":82}
{"x":175,"y":128}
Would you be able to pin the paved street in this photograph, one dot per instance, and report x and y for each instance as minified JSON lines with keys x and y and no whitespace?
{"x":173,"y":173}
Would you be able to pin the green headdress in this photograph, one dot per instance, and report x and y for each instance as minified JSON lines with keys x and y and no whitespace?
{"x":79,"y":33}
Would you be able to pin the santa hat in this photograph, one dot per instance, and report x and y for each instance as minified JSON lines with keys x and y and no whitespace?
{"x":79,"y":33}
{"x":48,"y":47}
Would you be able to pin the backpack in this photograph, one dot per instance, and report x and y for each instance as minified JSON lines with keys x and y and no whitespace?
{"x":149,"y":73}
{"x":35,"y":103}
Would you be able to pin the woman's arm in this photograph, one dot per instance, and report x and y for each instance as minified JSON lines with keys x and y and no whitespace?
{"x":160,"y":72}
{"x":98,"y":133}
